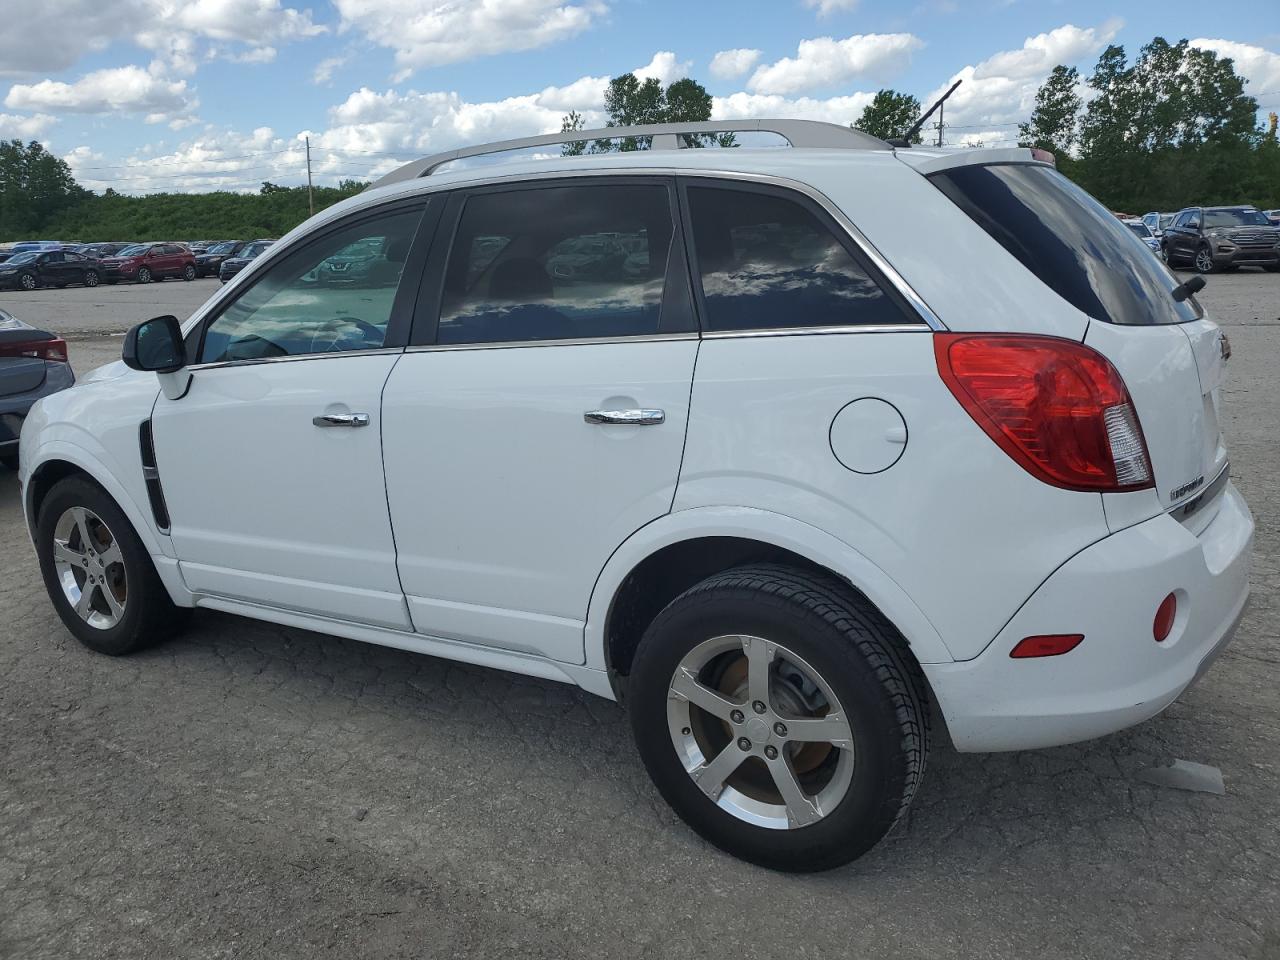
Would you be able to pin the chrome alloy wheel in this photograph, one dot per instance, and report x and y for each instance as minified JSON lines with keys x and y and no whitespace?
{"x":90,"y":567}
{"x":760,"y":732}
{"x":1204,"y":260}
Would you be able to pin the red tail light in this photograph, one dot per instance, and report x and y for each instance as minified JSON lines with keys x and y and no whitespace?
{"x":1057,"y":407}
{"x":55,"y":349}
{"x":1046,"y":645}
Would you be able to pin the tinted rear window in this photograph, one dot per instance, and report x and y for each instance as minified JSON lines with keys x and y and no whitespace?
{"x":1072,"y":243}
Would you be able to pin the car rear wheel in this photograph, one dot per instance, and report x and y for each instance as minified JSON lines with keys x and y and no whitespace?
{"x":188,"y":272}
{"x":1204,"y":261}
{"x":778,"y":714}
{"x":91,"y":278}
{"x":98,"y":574}
{"x":28,"y":281}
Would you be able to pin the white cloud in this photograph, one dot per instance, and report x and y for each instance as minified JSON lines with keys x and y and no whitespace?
{"x":426,"y":33}
{"x":170,"y":29}
{"x":826,"y":8}
{"x":129,"y":89}
{"x":739,"y":106}
{"x":1001,"y":90}
{"x":324,"y":70}
{"x":16,"y":126}
{"x":826,"y":62}
{"x":664,"y":67}
{"x":728,"y":64}
{"x":1259,"y":66}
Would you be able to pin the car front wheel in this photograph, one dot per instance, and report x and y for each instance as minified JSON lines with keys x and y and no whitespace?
{"x":28,"y":281}
{"x":188,"y":272}
{"x":1204,"y":261}
{"x":98,"y":574}
{"x":144,"y":275}
{"x":778,"y":713}
{"x":91,"y":278}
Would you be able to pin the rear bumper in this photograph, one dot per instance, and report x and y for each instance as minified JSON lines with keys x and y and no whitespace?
{"x":1118,"y":676}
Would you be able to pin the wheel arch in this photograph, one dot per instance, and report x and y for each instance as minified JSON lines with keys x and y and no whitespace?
{"x":663,"y":559}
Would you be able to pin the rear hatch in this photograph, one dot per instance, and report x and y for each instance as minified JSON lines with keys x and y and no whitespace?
{"x":1169,"y":354}
{"x":22,"y":367}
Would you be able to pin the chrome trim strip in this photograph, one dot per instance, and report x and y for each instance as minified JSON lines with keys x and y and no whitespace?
{"x":817,"y":331}
{"x":1186,"y":509}
{"x":219,"y":365}
{"x":572,"y":342}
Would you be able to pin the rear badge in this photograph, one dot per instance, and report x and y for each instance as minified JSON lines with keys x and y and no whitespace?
{"x":1186,"y":488}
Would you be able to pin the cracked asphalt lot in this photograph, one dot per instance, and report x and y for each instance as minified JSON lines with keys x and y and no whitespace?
{"x":253,"y":791}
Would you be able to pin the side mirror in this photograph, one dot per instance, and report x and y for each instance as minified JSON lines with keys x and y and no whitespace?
{"x":156,"y":345}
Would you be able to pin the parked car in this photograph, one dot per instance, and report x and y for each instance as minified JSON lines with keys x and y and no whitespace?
{"x":33,"y":364}
{"x":973,"y":468}
{"x":1273,"y":216}
{"x":1143,"y":233}
{"x":1157,"y":223}
{"x":102,"y":250}
{"x":250,"y":251}
{"x":49,"y":268}
{"x":1222,"y":238}
{"x":145,"y":262}
{"x":210,"y":262}
{"x":26,"y":246}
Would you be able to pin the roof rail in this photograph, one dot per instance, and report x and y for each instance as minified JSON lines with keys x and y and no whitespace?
{"x":666,"y":136}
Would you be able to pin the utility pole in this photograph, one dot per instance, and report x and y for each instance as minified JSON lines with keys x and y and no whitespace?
{"x":942,"y":110}
{"x":311,"y":200}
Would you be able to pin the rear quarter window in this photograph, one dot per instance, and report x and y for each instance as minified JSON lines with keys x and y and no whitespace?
{"x":1071,"y":242}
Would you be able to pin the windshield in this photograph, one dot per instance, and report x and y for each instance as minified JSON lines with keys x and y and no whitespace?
{"x":1070,"y":241}
{"x":253,"y":249}
{"x":1234,"y":218}
{"x":21,"y":258}
{"x":137,"y":250}
{"x":222,"y":248}
{"x":1140,"y":229}
{"x":1166,"y":219}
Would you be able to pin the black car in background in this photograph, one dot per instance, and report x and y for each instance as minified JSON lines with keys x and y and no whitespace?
{"x":101,"y":250}
{"x":233,"y":265}
{"x":210,"y":262}
{"x":33,"y":364}
{"x":1222,"y":238}
{"x":49,"y":268}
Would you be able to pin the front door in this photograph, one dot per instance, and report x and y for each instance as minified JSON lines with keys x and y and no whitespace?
{"x":271,"y":464}
{"x":542,"y":421}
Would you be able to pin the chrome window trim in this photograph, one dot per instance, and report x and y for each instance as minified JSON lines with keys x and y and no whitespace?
{"x":322,"y":355}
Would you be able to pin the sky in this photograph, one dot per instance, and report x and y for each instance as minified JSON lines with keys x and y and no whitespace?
{"x":147,"y":95}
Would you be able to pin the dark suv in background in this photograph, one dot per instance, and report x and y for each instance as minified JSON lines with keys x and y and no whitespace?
{"x":210,"y":262}
{"x":50,"y":268}
{"x":1222,"y":238}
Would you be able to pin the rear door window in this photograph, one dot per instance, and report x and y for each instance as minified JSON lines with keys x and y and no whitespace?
{"x":558,"y":263}
{"x":766,"y":261}
{"x":1070,"y":241}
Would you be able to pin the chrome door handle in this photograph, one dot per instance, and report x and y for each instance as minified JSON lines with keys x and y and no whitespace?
{"x":341,"y":420}
{"x":638,"y":417}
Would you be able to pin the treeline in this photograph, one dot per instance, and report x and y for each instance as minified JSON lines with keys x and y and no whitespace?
{"x":40,"y":199}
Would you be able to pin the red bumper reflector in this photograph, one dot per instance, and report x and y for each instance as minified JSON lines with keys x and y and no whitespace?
{"x":1165,"y":614}
{"x":1046,"y":645}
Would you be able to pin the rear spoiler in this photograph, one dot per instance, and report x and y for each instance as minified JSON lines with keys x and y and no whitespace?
{"x":933,"y":161}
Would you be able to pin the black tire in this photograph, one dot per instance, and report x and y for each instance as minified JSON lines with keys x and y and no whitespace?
{"x":9,"y":461}
{"x":144,"y":275}
{"x":149,"y":616}
{"x":858,"y":654}
{"x":28,"y":281}
{"x":91,"y":278}
{"x":1204,"y":264}
{"x":188,"y":272}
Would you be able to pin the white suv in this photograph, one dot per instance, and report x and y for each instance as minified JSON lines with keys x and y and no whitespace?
{"x":718,"y":433}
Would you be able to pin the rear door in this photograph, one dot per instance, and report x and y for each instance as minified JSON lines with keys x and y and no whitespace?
{"x":1162,"y":347}
{"x":540,"y":418}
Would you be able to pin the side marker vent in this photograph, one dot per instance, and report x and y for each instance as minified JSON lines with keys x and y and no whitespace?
{"x":152,"y":476}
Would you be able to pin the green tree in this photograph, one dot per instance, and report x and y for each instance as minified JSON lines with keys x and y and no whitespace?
{"x":630,"y":102}
{"x":1052,"y":125}
{"x":34,"y":186}
{"x":890,"y":114}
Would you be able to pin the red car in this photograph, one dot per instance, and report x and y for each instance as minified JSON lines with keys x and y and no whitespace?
{"x":145,"y":262}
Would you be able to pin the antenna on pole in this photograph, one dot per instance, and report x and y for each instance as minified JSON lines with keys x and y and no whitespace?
{"x":311,"y":200}
{"x":905,"y":139}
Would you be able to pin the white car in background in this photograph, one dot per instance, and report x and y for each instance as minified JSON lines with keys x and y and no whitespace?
{"x":784,"y":485}
{"x":1140,"y":230}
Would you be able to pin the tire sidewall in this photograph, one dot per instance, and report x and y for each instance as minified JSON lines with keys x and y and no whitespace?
{"x":74,"y":492}
{"x":870,"y":806}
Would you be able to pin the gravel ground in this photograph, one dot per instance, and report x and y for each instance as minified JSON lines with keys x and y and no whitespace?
{"x":253,"y":791}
